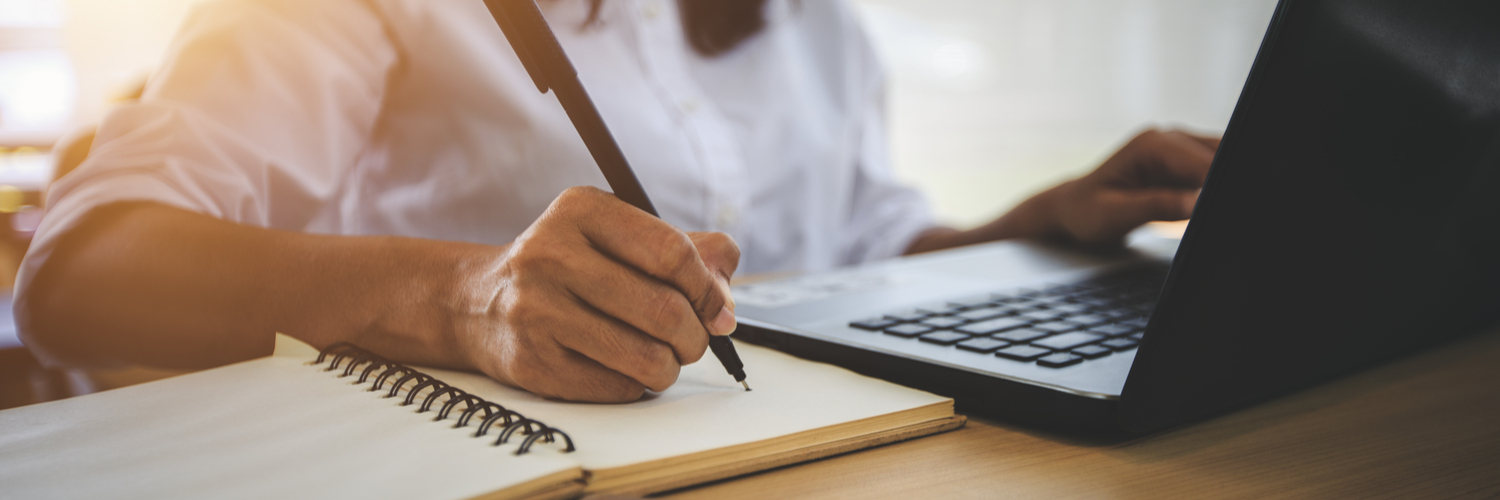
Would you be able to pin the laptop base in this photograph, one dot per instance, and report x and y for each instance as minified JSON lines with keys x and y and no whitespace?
{"x":975,"y":394}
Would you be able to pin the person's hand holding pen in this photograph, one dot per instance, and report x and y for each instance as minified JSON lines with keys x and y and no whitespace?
{"x":598,"y":301}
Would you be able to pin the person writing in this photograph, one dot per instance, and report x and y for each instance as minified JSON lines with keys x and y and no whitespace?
{"x":384,"y":172}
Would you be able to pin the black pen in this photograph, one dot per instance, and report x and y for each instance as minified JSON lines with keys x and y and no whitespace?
{"x":549,"y":67}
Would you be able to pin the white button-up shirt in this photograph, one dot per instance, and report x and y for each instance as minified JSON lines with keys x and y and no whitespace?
{"x":415,"y":118}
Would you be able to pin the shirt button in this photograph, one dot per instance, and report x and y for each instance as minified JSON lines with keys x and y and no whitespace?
{"x":728,"y":216}
{"x":651,"y":10}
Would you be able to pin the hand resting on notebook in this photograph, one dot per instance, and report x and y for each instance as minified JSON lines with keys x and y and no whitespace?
{"x":596,"y":301}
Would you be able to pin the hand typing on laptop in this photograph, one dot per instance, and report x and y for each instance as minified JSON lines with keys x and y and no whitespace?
{"x":1155,"y":176}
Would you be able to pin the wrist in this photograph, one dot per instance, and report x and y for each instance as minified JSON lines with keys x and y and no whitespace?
{"x":1040,"y":216}
{"x":468,"y":302}
{"x":1052,"y":207}
{"x":421,"y":314}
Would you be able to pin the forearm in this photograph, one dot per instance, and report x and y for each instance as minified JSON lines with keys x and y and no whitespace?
{"x":147,"y":284}
{"x":1033,"y":218}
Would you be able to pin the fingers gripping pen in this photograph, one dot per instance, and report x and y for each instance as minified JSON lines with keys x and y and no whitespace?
{"x":549,"y":67}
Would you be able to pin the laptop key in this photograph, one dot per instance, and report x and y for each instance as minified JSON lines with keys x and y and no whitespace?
{"x":1018,"y":309}
{"x":982,"y":314}
{"x":1068,"y":340}
{"x":909,"y":316}
{"x":1022,"y":335}
{"x":1120,"y":344}
{"x":1087,"y":320}
{"x":1115,"y":330}
{"x":1051,"y":299}
{"x":1138,"y":322}
{"x":1056,"y":326}
{"x":939,"y":309}
{"x":1044,"y":315}
{"x":1137,"y":336}
{"x":1022,"y":352}
{"x":1092,"y":351}
{"x":983,"y":344}
{"x":1070,"y":308}
{"x":873,"y":323}
{"x":943,"y":322}
{"x":992,"y":326}
{"x":943,"y":338}
{"x":908,"y":330}
{"x":1059,"y":360}
{"x":1097,"y":302}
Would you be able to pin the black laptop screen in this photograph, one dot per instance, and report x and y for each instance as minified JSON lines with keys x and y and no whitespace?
{"x":1352,"y":213}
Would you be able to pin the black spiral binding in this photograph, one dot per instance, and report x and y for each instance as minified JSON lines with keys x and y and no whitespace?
{"x":494,"y":414}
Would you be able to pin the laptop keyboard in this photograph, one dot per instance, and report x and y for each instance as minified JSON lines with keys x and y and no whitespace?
{"x":1055,"y":327}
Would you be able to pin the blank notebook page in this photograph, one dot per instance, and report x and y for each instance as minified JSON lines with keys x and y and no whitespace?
{"x":707,"y":410}
{"x":269,"y":428}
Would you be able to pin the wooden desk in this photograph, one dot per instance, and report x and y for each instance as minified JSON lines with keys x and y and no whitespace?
{"x":1427,"y":426}
{"x":1423,"y":427}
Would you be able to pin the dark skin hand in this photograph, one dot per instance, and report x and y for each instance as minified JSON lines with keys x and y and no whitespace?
{"x":596,"y":301}
{"x":1155,"y":176}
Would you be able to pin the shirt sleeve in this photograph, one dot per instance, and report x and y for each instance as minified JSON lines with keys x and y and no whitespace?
{"x":886,"y":215}
{"x":260,"y":110}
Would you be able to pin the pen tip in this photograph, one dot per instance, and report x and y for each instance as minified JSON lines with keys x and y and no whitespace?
{"x":747,"y":386}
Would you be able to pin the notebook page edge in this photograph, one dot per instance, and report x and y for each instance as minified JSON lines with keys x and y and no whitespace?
{"x":812,"y":439}
{"x":645,"y":484}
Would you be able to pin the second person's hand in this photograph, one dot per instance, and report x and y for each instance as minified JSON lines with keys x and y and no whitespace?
{"x":1155,"y":176}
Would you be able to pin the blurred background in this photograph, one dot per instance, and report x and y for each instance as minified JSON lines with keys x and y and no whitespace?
{"x":990,"y":100}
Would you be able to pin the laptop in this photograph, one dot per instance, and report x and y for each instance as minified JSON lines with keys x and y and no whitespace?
{"x":1351,"y":216}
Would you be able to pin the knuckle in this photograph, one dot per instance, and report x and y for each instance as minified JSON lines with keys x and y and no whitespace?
{"x":675,"y":253}
{"x":576,"y":194}
{"x":656,"y":366}
{"x":657,"y":356}
{"x":620,"y":390}
{"x":731,"y":251}
{"x":1150,"y":134}
{"x":664,"y":369}
{"x":668,"y":378}
{"x":527,"y":313}
{"x":530,"y":374}
{"x":669,"y":313}
{"x":723,"y":246}
{"x":674,"y":321}
{"x":574,"y":201}
{"x":697,"y":345}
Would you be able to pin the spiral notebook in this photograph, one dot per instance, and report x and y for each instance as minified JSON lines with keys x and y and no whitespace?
{"x":345,"y":423}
